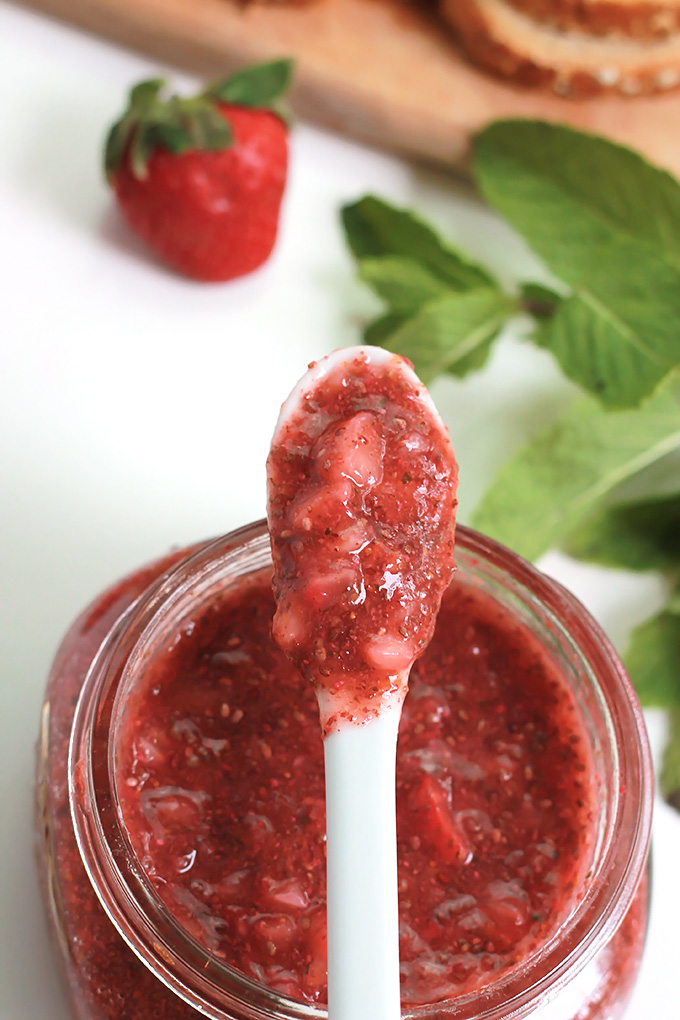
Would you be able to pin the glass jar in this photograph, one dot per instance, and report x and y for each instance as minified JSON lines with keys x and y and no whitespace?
{"x":124,"y":954}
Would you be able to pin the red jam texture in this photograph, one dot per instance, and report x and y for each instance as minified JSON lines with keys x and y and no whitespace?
{"x":494,"y":797}
{"x":511,"y":752}
{"x":361,"y":496}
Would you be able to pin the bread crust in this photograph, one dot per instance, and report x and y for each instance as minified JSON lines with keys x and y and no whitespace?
{"x":491,"y":34}
{"x":634,"y":18}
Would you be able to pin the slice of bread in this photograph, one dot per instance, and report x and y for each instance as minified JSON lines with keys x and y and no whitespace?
{"x":639,"y":19}
{"x":573,"y":64}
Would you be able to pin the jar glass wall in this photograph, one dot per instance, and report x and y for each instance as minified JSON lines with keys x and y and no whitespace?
{"x":125,"y":954}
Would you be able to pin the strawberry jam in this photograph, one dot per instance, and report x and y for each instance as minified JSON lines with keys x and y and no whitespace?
{"x":362,"y":497}
{"x":217,"y":773}
{"x":495,"y":806}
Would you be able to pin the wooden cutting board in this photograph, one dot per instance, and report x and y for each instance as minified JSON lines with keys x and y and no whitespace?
{"x":384,"y":71}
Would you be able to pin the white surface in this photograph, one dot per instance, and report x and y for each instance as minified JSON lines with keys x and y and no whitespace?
{"x":136,"y":411}
{"x":363,"y":908}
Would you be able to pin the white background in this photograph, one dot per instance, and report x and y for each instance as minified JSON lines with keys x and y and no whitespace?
{"x":136,"y":410}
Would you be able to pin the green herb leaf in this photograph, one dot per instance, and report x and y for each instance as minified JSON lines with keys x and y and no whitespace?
{"x":653,"y":660}
{"x":261,"y":86}
{"x":404,"y":285}
{"x":554,"y":483}
{"x":375,"y":228}
{"x":477,"y":357}
{"x":539,"y":300}
{"x":379,"y":331}
{"x":635,"y":536}
{"x":585,"y":174}
{"x":600,"y":352}
{"x":607,"y":223}
{"x":446,"y":335}
{"x":670,"y":769}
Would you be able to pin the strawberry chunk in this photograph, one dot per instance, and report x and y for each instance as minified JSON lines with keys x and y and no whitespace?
{"x":432,"y":803}
{"x":352,"y":449}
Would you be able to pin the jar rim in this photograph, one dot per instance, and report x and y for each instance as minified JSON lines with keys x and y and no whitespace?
{"x":214,"y":988}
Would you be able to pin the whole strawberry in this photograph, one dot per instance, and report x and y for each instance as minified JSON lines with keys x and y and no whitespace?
{"x":201,"y":179}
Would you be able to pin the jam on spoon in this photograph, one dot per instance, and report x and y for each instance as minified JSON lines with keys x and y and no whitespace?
{"x":361,"y":506}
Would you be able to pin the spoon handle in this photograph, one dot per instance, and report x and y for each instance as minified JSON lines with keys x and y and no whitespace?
{"x":363,"y":913}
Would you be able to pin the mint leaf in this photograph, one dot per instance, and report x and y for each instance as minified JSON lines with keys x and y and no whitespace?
{"x":635,"y":536}
{"x":452,"y":334}
{"x":473,"y":361}
{"x":380,"y":330}
{"x":539,"y":300}
{"x":607,"y":223}
{"x":554,"y":483}
{"x":653,"y":660}
{"x":403,"y":284}
{"x":375,"y":228}
{"x":653,"y":663}
{"x":593,"y":177}
{"x":670,"y":769}
{"x":600,"y":352}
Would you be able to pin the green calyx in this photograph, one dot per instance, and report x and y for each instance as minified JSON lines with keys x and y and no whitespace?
{"x":152,"y":121}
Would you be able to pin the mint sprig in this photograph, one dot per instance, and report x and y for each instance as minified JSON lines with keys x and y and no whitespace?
{"x":603,"y":221}
{"x":606,"y":223}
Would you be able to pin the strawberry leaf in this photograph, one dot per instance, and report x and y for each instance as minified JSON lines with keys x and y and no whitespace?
{"x":144,"y":95}
{"x":262,"y":86}
{"x":141,"y":99}
{"x":175,"y":124}
{"x":209,"y":130}
{"x":117,"y":143}
{"x":141,"y":147}
{"x":169,"y":136}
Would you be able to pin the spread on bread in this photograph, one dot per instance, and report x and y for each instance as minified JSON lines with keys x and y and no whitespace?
{"x":576,"y":48}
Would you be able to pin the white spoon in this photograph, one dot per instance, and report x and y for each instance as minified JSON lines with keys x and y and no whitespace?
{"x":322,"y":483}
